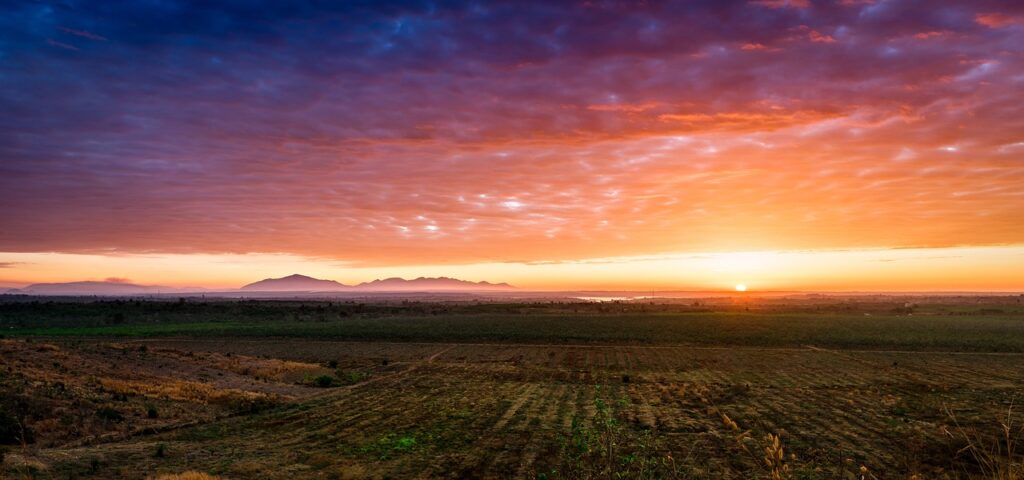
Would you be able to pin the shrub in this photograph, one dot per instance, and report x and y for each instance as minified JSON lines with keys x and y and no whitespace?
{"x":152,"y":413}
{"x":250,"y":405}
{"x":324,"y":381}
{"x":108,"y":413}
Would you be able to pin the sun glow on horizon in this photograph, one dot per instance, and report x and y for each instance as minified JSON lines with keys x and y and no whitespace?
{"x":926,"y":269}
{"x":741,"y":287}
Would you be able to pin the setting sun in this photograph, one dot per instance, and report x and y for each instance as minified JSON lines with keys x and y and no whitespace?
{"x":741,"y":287}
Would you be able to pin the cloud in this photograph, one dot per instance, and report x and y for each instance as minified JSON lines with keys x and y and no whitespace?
{"x":328,"y":131}
{"x":997,"y":20}
{"x":83,"y":34}
{"x":782,"y":3}
{"x":61,"y":45}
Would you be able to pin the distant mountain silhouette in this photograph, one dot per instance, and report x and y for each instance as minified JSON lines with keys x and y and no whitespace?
{"x":93,"y":288}
{"x":432,"y":284}
{"x":295,"y":283}
{"x":291,"y":283}
{"x":302,"y":283}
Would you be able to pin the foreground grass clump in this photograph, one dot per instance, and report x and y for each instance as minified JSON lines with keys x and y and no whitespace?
{"x":603,"y":446}
{"x":997,"y":456}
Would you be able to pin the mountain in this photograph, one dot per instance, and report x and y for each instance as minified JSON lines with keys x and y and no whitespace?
{"x":434,"y":284}
{"x":291,"y":283}
{"x":295,"y":283}
{"x":93,"y":288}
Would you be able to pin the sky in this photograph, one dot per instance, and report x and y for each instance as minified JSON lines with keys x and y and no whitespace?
{"x":809,"y":145}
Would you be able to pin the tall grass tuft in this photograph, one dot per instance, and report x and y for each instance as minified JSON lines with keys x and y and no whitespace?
{"x":997,"y":456}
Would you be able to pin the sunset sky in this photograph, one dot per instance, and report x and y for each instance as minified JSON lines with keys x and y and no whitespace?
{"x":787,"y":145}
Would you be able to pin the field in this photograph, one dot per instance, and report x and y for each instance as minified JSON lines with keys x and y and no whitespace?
{"x":816,"y":389}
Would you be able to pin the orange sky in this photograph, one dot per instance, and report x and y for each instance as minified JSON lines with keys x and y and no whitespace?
{"x":926,"y":269}
{"x":851,"y":145}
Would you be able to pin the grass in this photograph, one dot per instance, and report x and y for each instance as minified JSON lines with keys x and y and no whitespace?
{"x":191,"y":475}
{"x":994,"y":333}
{"x":389,"y":445}
{"x":182,"y":390}
{"x":998,"y":457}
{"x":512,"y":400}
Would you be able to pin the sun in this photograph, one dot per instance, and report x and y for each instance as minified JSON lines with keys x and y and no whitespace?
{"x":741,"y":287}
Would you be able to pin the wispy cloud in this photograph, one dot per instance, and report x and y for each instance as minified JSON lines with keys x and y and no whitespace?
{"x":82,"y":33}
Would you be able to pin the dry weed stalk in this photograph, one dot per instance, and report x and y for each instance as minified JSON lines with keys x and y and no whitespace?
{"x":775,"y":458}
{"x":996,"y":456}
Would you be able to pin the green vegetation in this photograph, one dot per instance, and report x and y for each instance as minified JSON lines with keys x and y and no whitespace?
{"x":388,"y":446}
{"x":323,"y":381}
{"x":987,"y":327}
{"x":604,"y":447}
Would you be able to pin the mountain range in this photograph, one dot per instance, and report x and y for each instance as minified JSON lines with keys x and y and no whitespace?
{"x":96,"y":288}
{"x":291,"y":283}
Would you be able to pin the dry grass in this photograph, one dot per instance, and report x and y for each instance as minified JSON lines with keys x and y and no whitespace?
{"x":180,"y":390}
{"x":273,"y":370}
{"x":519,"y":411}
{"x":266,"y":369}
{"x":775,"y":458}
{"x":193,"y":475}
{"x":996,"y":456}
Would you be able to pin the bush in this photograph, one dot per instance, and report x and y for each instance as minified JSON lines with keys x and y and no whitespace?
{"x":251,"y":405}
{"x":351,"y":378}
{"x":324,"y":381}
{"x":152,"y":413}
{"x":108,"y":413}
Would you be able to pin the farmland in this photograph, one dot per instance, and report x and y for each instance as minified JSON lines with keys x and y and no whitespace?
{"x":851,"y":389}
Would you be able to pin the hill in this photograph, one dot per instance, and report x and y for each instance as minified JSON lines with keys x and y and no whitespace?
{"x":92,"y":288}
{"x":295,"y":283}
{"x":430,"y":284}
